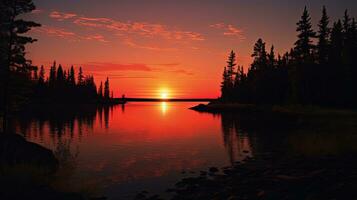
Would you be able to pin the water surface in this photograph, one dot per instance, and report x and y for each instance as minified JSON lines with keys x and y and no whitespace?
{"x":121,"y":150}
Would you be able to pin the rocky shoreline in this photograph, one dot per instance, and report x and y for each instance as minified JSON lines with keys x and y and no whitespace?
{"x":27,"y":171}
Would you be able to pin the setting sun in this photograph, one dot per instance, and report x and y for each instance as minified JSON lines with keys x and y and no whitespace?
{"x":164,"y":94}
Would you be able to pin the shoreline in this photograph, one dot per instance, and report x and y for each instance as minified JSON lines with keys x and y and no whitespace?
{"x":299,"y":110}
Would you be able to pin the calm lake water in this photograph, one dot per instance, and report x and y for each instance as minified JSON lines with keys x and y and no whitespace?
{"x":121,"y":150}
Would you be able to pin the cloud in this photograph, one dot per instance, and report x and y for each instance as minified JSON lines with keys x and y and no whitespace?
{"x":112,"y":67}
{"x":131,"y":43}
{"x":167,"y":64}
{"x":37,"y":11}
{"x":229,"y":30}
{"x":57,"y":32}
{"x":139,"y":28}
{"x":121,"y":76}
{"x":128,"y":29}
{"x":107,"y":66}
{"x":66,"y":34}
{"x":182,"y":71}
{"x":60,"y":16}
{"x":96,"y":37}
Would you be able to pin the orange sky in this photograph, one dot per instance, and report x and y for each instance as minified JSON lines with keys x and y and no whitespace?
{"x":145,"y":47}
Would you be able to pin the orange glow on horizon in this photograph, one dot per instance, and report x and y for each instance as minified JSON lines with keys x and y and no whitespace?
{"x":164,"y":94}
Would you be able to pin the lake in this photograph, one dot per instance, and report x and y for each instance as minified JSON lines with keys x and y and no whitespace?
{"x":122,"y":150}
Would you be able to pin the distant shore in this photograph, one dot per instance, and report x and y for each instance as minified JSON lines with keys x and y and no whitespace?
{"x":220,"y":107}
{"x":168,"y":100}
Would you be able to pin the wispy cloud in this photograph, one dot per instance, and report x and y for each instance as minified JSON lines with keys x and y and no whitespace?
{"x":130,"y":32}
{"x":229,"y":30}
{"x":107,"y":66}
{"x":139,"y":28}
{"x":98,"y":67}
{"x":60,"y":16}
{"x":121,"y":76}
{"x":66,"y":34}
{"x":182,"y":71}
{"x":37,"y":11}
{"x":131,"y":43}
{"x":57,"y":32}
{"x":96,"y":37}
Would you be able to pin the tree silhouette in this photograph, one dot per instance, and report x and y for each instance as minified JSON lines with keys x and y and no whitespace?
{"x":106,"y":89}
{"x":41,"y":79}
{"x":80,"y":76}
{"x":325,"y":75}
{"x":304,"y":45}
{"x":71,"y":77}
{"x":100,"y":90}
{"x":52,"y":77}
{"x":13,"y":42}
{"x":225,"y":84}
{"x":323,"y":35}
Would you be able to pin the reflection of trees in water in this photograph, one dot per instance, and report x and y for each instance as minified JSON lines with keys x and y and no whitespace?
{"x":236,"y":142}
{"x":61,"y":122}
{"x":258,"y":133}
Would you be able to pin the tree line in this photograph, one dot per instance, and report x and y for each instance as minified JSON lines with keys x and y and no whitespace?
{"x":22,"y":83}
{"x":320,"y":69}
{"x":65,"y":86}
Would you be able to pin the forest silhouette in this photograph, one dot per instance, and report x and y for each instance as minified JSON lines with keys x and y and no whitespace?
{"x":63,"y":87}
{"x":319,"y":73}
{"x":23,"y":84}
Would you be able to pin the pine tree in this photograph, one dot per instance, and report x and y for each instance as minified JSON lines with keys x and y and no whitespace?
{"x":304,"y":44}
{"x":71,"y":77}
{"x":106,"y":89}
{"x":323,"y":35}
{"x":231,"y":63}
{"x":100,"y":90}
{"x":260,"y":61}
{"x":60,"y":75}
{"x":346,"y":22}
{"x":53,"y":74}
{"x":336,"y":42}
{"x":225,"y":84}
{"x":41,"y":79}
{"x":80,"y":77}
{"x":271,"y":57}
{"x":13,"y":48}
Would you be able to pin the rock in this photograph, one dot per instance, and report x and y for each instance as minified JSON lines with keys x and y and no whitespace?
{"x":200,"y":107}
{"x":213,"y":170}
{"x":15,"y":150}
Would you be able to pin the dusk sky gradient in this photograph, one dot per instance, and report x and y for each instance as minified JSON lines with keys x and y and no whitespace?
{"x":148,"y":45}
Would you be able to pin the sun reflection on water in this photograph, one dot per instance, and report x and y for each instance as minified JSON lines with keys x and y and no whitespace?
{"x":164,"y":107}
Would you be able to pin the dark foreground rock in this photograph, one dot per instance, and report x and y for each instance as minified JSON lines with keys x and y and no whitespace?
{"x":27,"y":171}
{"x":15,"y":150}
{"x":269,"y":178}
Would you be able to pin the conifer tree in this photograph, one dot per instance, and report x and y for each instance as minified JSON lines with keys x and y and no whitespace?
{"x":60,"y":75}
{"x":231,"y":63}
{"x":106,"y":89}
{"x":304,"y":45}
{"x":323,"y":35}
{"x":80,"y":76}
{"x":225,"y":84}
{"x":271,"y":57}
{"x":100,"y":90}
{"x":13,"y":47}
{"x":41,"y":79}
{"x":259,"y":55}
{"x":53,"y":74}
{"x":71,"y":77}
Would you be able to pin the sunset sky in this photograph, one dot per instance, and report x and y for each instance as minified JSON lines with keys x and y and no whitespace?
{"x":180,"y":47}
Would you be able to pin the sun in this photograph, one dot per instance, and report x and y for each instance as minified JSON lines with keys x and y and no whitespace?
{"x":164,"y":93}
